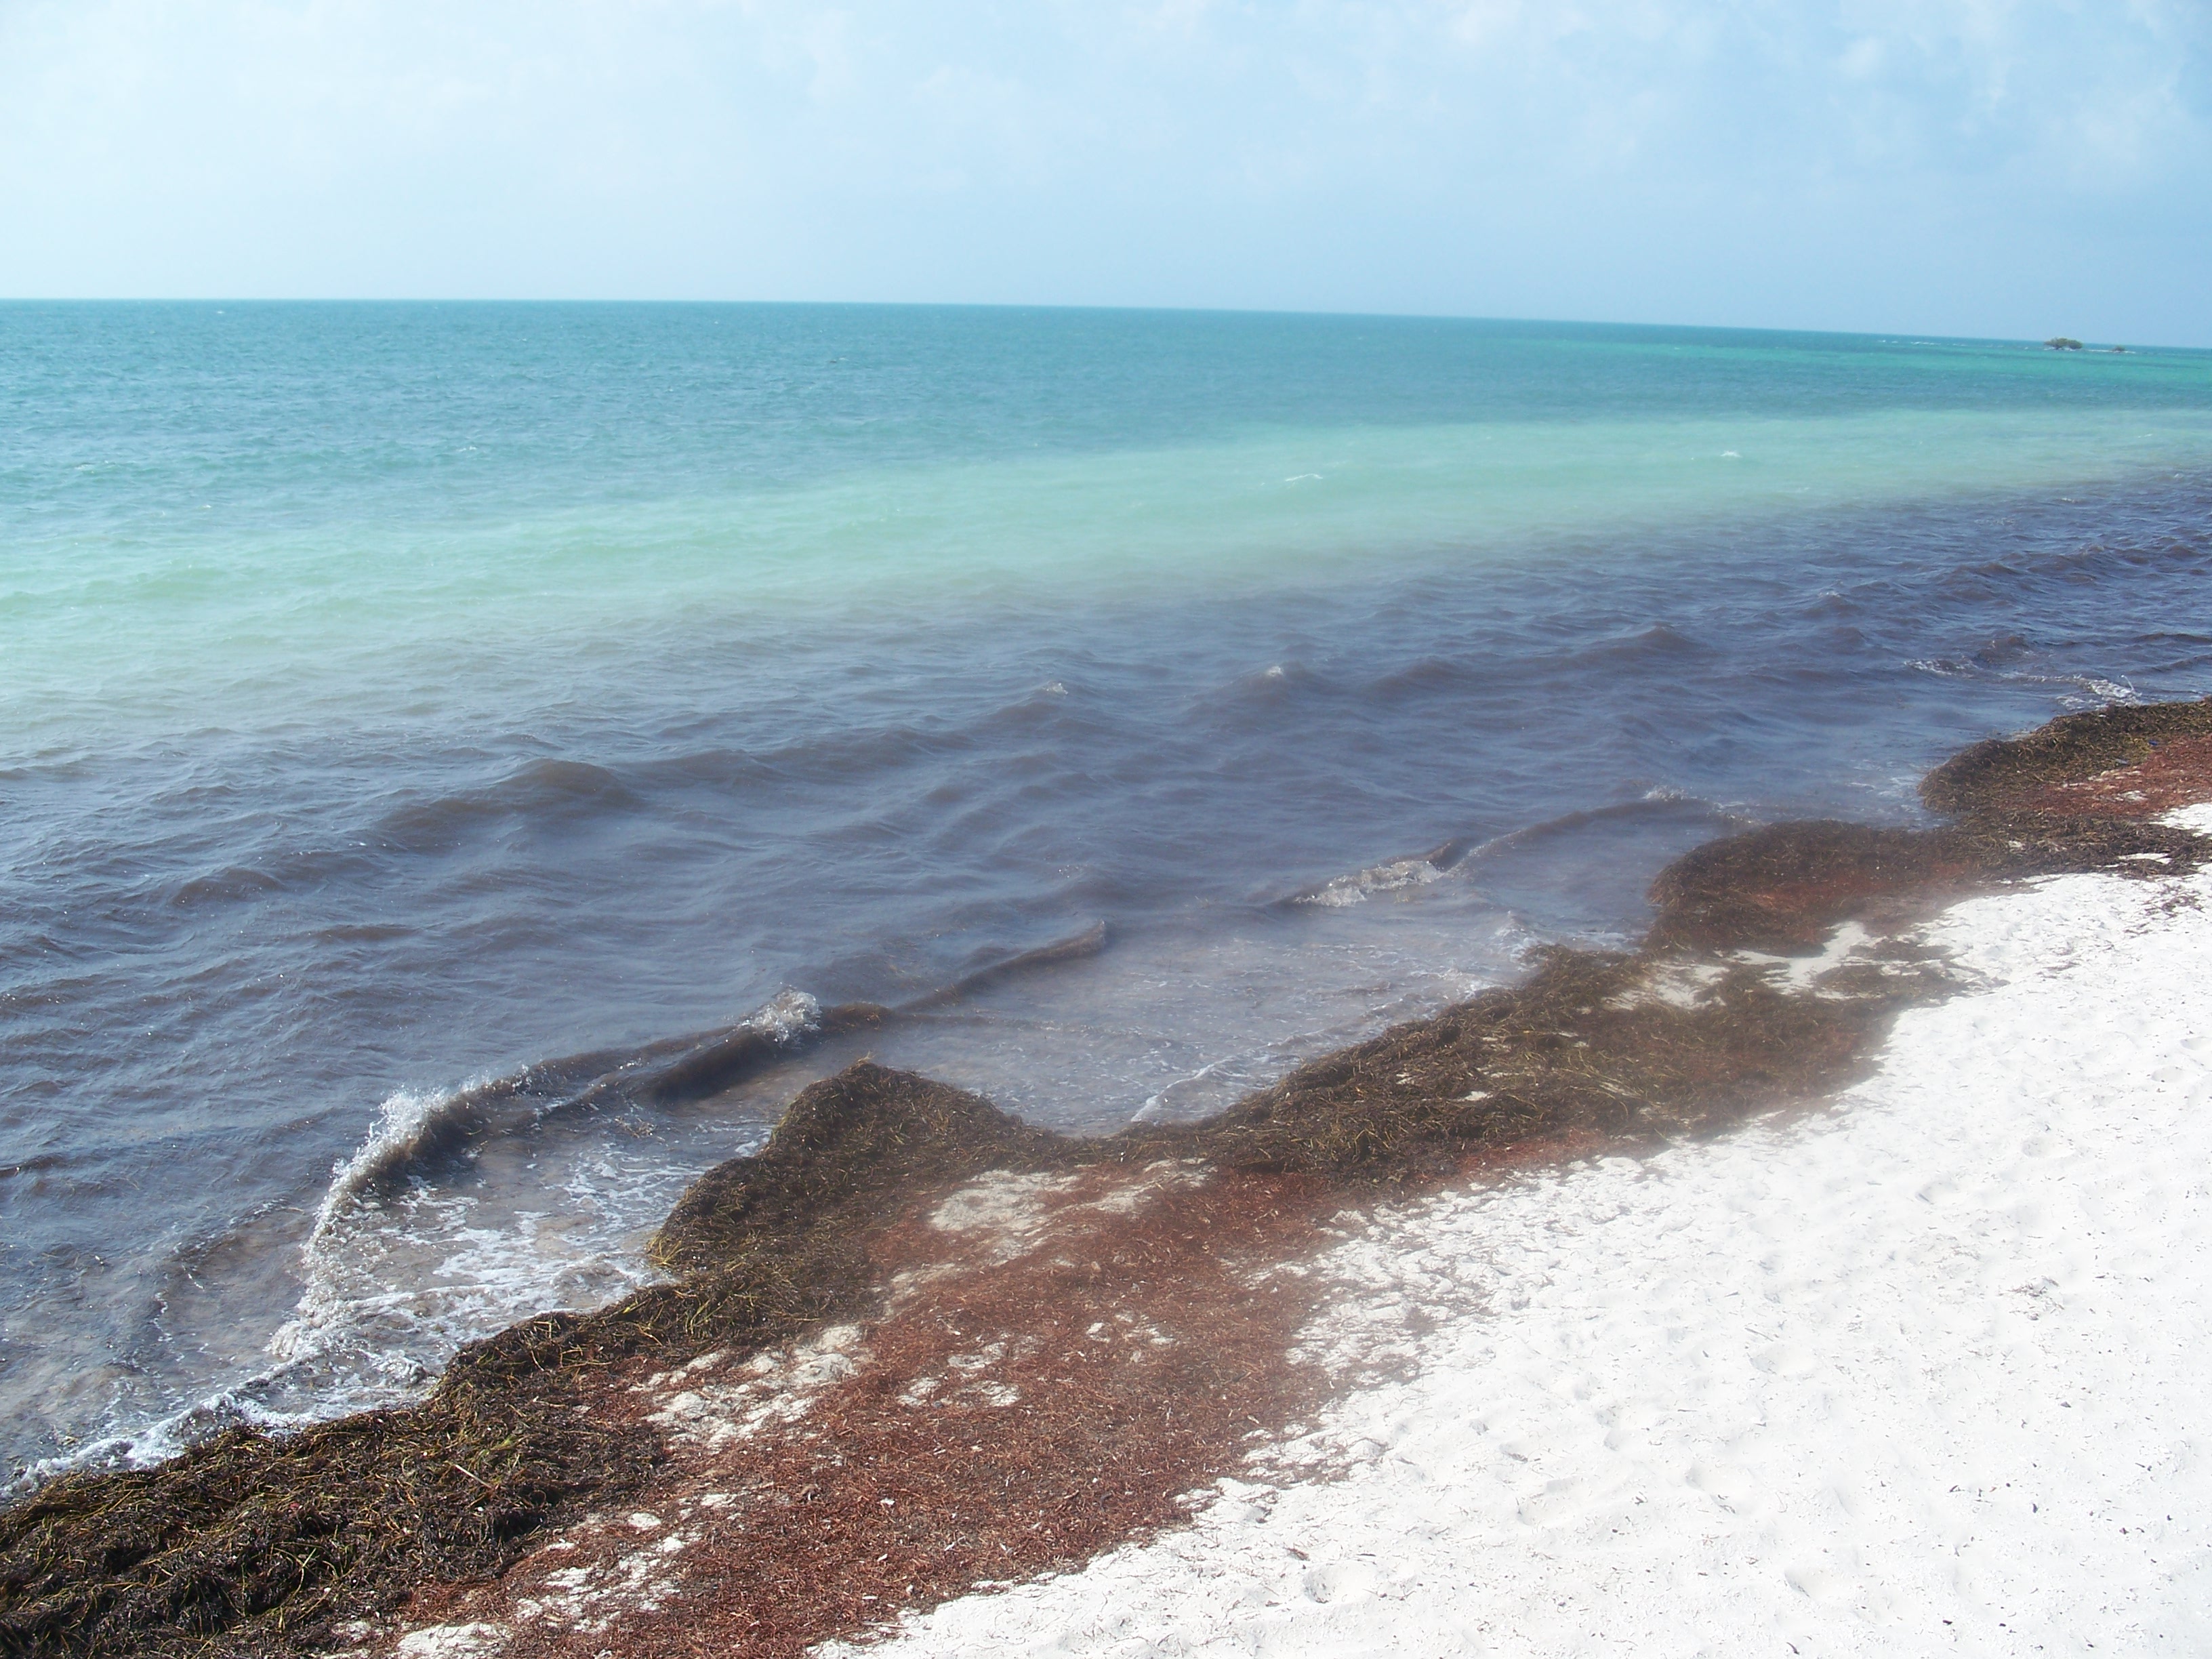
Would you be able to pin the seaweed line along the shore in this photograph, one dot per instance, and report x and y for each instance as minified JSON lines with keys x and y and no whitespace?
{"x":915,"y":1347}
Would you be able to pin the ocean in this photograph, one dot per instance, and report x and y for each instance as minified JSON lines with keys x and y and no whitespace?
{"x":400,"y":702}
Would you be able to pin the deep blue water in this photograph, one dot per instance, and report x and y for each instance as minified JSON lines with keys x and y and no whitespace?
{"x":397,"y":695}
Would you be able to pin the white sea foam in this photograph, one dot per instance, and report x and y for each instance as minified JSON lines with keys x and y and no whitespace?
{"x":157,"y":1442}
{"x":406,"y":1118}
{"x":2100,"y":692}
{"x":326,"y":1304}
{"x":399,"y":1285}
{"x":785,"y":1015}
{"x":1158,"y":1104}
{"x":1363,"y":884}
{"x":393,"y":1288}
{"x":397,"y":1274}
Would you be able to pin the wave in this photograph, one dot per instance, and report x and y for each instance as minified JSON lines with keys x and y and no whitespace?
{"x":1391,"y":876}
{"x":410,"y":1127}
{"x":157,"y":1442}
{"x":786,"y":1019}
{"x":829,"y":756}
{"x":391,"y":1287}
{"x":1661,"y":802}
{"x":546,"y":791}
{"x":1075,"y":948}
{"x":227,"y":885}
{"x":1658,"y":641}
{"x":415,"y":1129}
{"x":1460,"y":853}
{"x":2081,"y":690}
{"x":1258,"y":696}
{"x":1050,"y":707}
{"x":401,"y":1266}
{"x":1433,"y":676}
{"x":37,"y":1163}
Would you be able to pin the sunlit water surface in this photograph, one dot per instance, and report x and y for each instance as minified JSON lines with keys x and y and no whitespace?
{"x":398,"y":696}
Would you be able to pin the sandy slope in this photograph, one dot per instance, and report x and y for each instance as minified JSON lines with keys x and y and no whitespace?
{"x":1930,"y":1372}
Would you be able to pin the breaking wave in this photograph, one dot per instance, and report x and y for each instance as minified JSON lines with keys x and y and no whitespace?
{"x":462,"y":1277}
{"x":411,"y":1126}
{"x":1363,"y":884}
{"x":1461,"y":855}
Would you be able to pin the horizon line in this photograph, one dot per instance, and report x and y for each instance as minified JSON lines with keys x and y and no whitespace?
{"x":1930,"y":337}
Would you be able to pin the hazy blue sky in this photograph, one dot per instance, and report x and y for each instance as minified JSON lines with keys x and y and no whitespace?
{"x":1979,"y":166}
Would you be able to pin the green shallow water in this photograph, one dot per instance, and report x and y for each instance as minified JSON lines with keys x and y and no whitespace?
{"x":399,"y":695}
{"x":215,"y":620}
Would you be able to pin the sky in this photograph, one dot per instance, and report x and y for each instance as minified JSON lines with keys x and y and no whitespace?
{"x":2012,"y":168}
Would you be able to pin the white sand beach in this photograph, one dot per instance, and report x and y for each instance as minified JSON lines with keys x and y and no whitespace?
{"x":1924,"y":1371}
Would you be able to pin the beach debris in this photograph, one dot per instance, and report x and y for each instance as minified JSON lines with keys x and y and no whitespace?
{"x":914,"y":1345}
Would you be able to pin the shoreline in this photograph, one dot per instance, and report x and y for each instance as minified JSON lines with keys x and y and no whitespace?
{"x":653,"y":1462}
{"x":1917,"y":1370}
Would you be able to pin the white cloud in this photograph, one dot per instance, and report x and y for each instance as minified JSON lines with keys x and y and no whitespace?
{"x":1486,"y":155}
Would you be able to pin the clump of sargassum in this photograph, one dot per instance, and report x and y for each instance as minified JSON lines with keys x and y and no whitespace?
{"x":260,"y":1544}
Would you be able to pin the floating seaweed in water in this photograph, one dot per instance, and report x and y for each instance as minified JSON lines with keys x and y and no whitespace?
{"x":1739,"y":1000}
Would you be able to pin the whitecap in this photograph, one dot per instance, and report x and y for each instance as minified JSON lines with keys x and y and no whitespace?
{"x":1361,"y":884}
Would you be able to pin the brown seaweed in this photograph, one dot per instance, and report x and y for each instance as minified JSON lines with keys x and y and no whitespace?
{"x":256,"y":1544}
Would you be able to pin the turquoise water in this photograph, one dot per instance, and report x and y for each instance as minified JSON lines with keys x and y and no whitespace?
{"x":217,"y":508}
{"x":399,"y":695}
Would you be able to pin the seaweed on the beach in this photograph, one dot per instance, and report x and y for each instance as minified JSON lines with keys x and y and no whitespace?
{"x":1145,"y":1345}
{"x":2044,"y":772}
{"x":845,"y":1149}
{"x":2076,"y":794}
{"x":1580,"y":1050}
{"x":254,"y":1543}
{"x":259,"y":1544}
{"x":1782,"y":888}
